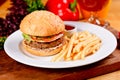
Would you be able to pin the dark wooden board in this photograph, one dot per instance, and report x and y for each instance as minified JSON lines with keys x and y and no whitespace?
{"x":18,"y":71}
{"x":12,"y":70}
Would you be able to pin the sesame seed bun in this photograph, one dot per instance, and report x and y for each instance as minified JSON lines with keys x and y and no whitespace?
{"x":42,"y":23}
{"x":46,"y":33}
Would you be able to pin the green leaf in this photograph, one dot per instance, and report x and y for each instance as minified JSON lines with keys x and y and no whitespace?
{"x":73,"y":5}
{"x":2,"y":40}
{"x":27,"y":37}
{"x":34,"y":5}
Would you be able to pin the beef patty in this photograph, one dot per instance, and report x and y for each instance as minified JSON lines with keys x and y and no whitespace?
{"x":44,"y":45}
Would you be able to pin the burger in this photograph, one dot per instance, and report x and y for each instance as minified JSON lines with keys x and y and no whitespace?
{"x":43,"y":33}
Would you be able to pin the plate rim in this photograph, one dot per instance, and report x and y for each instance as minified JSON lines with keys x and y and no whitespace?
{"x":66,"y":63}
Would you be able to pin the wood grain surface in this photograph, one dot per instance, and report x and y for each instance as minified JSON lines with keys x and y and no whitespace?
{"x":18,"y":71}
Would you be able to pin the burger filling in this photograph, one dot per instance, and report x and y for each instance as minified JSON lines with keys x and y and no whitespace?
{"x":43,"y":42}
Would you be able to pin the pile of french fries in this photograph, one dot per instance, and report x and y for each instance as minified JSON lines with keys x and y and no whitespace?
{"x":80,"y":45}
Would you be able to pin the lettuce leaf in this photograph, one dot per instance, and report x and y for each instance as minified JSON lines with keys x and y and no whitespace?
{"x":2,"y":40}
{"x":34,"y":5}
{"x":26,"y":37}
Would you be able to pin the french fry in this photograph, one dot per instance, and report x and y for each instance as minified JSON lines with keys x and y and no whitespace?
{"x":77,"y":56}
{"x":92,"y":44}
{"x":60,"y":55}
{"x":68,"y":59}
{"x":80,"y":45}
{"x":70,"y":45}
{"x":68,"y":39}
{"x":84,"y":43}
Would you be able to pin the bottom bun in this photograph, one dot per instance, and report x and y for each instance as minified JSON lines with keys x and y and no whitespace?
{"x":42,"y":52}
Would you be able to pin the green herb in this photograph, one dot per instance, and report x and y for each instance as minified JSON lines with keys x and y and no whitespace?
{"x":2,"y":40}
{"x":27,"y":37}
{"x":73,"y":5}
{"x":34,"y":5}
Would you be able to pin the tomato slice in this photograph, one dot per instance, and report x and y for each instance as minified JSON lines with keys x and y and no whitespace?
{"x":47,"y":39}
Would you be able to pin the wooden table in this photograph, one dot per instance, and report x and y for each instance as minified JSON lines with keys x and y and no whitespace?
{"x":114,"y":19}
{"x":12,"y":70}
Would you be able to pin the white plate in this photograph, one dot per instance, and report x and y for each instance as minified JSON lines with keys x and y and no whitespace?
{"x":13,"y":48}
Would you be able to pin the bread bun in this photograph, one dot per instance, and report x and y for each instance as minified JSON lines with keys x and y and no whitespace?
{"x":42,"y":52}
{"x":43,"y":33}
{"x":42,"y":23}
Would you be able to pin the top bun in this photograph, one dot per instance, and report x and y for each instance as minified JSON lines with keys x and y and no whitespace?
{"x":42,"y":23}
